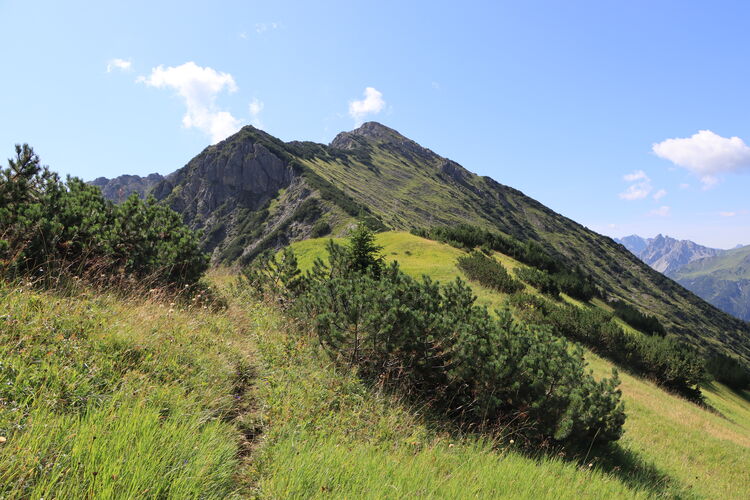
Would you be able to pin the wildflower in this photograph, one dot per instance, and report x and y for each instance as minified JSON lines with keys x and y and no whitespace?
{"x":3,"y":439}
{"x":512,"y":441}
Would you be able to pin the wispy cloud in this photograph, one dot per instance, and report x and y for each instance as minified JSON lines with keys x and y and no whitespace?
{"x":372,"y":104}
{"x":119,"y":64}
{"x":660,"y":194}
{"x":727,"y":214}
{"x":635,"y":176}
{"x":640,"y":188}
{"x":663,"y":211}
{"x":199,"y":87}
{"x":706,"y":154}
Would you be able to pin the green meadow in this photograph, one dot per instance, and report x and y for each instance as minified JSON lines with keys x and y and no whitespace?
{"x":117,"y":396}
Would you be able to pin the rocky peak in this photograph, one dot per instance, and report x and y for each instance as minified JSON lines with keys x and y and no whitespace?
{"x":666,"y":254}
{"x":378,"y":131}
{"x":121,"y":187}
{"x":371,"y":134}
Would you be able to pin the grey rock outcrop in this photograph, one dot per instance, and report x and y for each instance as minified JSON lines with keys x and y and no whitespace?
{"x":120,"y":188}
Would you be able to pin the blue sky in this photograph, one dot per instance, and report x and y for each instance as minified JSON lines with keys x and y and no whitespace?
{"x":562,"y":100}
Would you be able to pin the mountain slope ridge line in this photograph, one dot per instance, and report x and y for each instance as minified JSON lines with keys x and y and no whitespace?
{"x":253,"y":192}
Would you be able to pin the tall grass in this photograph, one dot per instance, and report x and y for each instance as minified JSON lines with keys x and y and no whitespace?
{"x":115,"y":396}
{"x":102,"y":396}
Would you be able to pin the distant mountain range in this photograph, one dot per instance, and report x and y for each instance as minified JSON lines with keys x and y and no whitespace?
{"x":253,"y":192}
{"x":721,"y":277}
{"x":666,"y":254}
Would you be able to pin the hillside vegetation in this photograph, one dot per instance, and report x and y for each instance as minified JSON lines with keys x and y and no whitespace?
{"x":204,"y":403}
{"x":125,"y":374}
{"x":253,"y":192}
{"x":677,"y":438}
{"x":724,"y":280}
{"x":134,"y":398}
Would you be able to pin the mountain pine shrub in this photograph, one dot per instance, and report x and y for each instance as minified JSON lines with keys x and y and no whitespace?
{"x":572,"y":281}
{"x":539,"y":279}
{"x":729,"y":371}
{"x":643,"y":322}
{"x":672,"y":364}
{"x":488,"y":272}
{"x":432,"y":342}
{"x":50,"y":228}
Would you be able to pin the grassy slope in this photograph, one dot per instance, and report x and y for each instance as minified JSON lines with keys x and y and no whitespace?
{"x":110,"y":397}
{"x":329,"y":436}
{"x":732,"y":264}
{"x":135,"y":398}
{"x":724,"y":280}
{"x":407,"y":186}
{"x":704,"y":451}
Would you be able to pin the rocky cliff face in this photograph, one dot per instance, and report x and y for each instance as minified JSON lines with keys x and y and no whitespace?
{"x":245,"y":194}
{"x":243,"y":174}
{"x":119,"y":188}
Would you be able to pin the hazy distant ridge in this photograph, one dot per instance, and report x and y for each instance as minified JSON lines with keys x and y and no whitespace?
{"x":666,"y":254}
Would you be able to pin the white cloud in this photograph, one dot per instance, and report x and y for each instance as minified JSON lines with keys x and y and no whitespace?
{"x":373,"y":103}
{"x":121,"y":64}
{"x":727,"y":214}
{"x":706,"y":155}
{"x":660,"y":194}
{"x":684,"y":186}
{"x":199,"y":87}
{"x":662,"y":211}
{"x":641,"y":187}
{"x":256,"y":106}
{"x":635,"y":176}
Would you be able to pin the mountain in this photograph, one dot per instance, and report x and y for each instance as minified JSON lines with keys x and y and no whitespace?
{"x":119,"y":188}
{"x":723,"y":280}
{"x":253,"y":192}
{"x":666,"y":254}
{"x":634,"y":243}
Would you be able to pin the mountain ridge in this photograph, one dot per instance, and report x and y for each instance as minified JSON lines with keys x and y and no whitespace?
{"x":253,"y":192}
{"x":666,"y":254}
